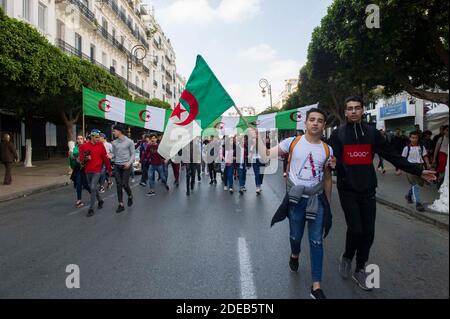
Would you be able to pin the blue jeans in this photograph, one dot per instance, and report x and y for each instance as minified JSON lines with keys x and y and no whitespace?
{"x":229,"y":170}
{"x":80,"y":183}
{"x":414,"y":193}
{"x":315,"y":230}
{"x":242,"y":173}
{"x":258,"y":175}
{"x":151,"y":175}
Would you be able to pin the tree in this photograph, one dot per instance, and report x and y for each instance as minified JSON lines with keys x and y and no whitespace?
{"x":28,"y":72}
{"x":153,"y":102}
{"x":409,"y":52}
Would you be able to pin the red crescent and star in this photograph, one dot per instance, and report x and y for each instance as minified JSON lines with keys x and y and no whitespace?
{"x":298,"y":116}
{"x":193,"y":104}
{"x":100,"y":105}
{"x":144,"y":115}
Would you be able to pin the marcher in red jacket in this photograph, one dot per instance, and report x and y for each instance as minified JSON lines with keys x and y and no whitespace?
{"x":93,"y":156}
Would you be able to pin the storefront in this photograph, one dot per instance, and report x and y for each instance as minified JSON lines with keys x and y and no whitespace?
{"x":400,"y":115}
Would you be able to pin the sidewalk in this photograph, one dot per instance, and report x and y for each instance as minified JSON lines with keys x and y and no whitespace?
{"x":43,"y":176}
{"x":392,"y":189}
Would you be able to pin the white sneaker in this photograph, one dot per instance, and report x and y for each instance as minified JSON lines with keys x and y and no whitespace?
{"x":258,"y":190}
{"x":225,"y":188}
{"x":231,"y":191}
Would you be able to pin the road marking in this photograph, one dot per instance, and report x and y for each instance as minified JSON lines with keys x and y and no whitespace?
{"x":245,"y":267}
{"x":104,"y":198}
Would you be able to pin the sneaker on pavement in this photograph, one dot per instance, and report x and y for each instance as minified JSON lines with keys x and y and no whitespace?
{"x":130,"y":201}
{"x":100,"y":204}
{"x":142,"y":184}
{"x":420,"y":207}
{"x":258,"y":191}
{"x":90,"y":213}
{"x":241,"y":191}
{"x":101,"y":189}
{"x":360,"y":278}
{"x":225,"y":188}
{"x":120,"y":209}
{"x":151,"y":193}
{"x":345,"y":267}
{"x":231,"y":191}
{"x":293,"y":264}
{"x":408,"y":199}
{"x":317,"y":294}
{"x":167,"y":187}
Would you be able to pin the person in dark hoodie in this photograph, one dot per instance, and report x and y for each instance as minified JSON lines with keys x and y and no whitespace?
{"x":354,"y":145}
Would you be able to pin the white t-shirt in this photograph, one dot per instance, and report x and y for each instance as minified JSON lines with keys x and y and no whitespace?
{"x":307,"y":162}
{"x":108,"y":147}
{"x":414,"y":154}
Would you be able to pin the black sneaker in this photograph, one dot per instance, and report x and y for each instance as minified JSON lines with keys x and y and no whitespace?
{"x":151,"y":193}
{"x":120,"y":209}
{"x":215,"y":182}
{"x":293,"y":264}
{"x":188,"y":193}
{"x":241,"y":191}
{"x":211,"y":182}
{"x":167,"y":187}
{"x":420,"y":208}
{"x":130,"y":201}
{"x":100,"y":204}
{"x":90,"y":213}
{"x":317,"y":294}
{"x":408,"y":199}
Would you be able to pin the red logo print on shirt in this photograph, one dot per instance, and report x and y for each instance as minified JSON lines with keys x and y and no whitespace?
{"x":358,"y":154}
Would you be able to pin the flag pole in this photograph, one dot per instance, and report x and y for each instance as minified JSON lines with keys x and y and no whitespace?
{"x":242,"y":117}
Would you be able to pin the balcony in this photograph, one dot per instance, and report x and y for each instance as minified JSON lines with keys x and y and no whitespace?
{"x":155,"y":62}
{"x":65,"y":47}
{"x":122,"y":16}
{"x":84,"y":10}
{"x":168,"y":60}
{"x":168,"y":91}
{"x":169,"y":76}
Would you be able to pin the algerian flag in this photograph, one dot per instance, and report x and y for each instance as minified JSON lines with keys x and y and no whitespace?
{"x":118,"y":110}
{"x":146,"y":116}
{"x":266,"y":121}
{"x":293,"y":119}
{"x":202,"y":102}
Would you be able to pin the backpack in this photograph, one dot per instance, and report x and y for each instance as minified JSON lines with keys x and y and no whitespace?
{"x":420,"y":150}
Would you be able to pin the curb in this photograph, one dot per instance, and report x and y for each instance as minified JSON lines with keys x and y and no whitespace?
{"x":417,"y":215}
{"x":32,"y":192}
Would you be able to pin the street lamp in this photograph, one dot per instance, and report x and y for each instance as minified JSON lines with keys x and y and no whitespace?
{"x":139,"y":53}
{"x":264,"y":84}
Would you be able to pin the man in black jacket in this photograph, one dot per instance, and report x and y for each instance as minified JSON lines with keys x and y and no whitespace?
{"x":355,"y":144}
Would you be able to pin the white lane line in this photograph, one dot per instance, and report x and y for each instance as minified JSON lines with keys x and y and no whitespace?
{"x":104,"y":198}
{"x":245,"y":265}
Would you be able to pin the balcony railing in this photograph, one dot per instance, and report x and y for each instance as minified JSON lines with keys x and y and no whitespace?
{"x":122,"y":48}
{"x":64,"y":46}
{"x":122,"y":16}
{"x":84,"y":9}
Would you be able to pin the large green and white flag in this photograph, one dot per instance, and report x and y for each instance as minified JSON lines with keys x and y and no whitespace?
{"x":293,"y":119}
{"x":119,"y":110}
{"x":201,"y":103}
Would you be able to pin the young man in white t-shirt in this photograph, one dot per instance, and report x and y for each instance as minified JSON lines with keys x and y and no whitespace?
{"x":415,"y":153}
{"x":309,"y":166}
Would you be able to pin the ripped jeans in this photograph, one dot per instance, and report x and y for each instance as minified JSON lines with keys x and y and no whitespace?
{"x":315,"y":233}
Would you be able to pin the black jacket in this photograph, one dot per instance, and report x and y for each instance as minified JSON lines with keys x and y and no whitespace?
{"x":354,"y":147}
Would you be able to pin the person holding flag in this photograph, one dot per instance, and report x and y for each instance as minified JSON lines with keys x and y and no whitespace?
{"x":202,"y":102}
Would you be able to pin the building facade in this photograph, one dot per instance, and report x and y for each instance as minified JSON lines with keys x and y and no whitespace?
{"x":120,"y":36}
{"x":290,"y":86}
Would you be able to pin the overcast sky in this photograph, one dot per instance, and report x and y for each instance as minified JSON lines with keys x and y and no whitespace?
{"x":242,"y":40}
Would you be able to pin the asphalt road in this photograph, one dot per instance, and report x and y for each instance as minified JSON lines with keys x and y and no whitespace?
{"x":210,"y":245}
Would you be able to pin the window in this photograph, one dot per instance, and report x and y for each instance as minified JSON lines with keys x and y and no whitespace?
{"x":92,"y":53}
{"x":114,"y":64}
{"x":42,"y":17}
{"x":26,"y":9}
{"x":78,"y":44}
{"x":114,"y":35}
{"x":122,"y":71}
{"x":50,"y":134}
{"x":142,"y":84}
{"x":60,"y":30}
{"x":105,"y":27}
{"x":137,"y":81}
{"x":104,"y":59}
